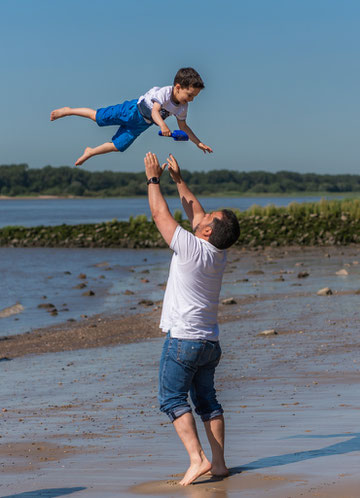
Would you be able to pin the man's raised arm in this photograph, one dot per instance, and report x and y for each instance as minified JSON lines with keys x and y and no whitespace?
{"x":192,"y":207}
{"x":158,"y":206}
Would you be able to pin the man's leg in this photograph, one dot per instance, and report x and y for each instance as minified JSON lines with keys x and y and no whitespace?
{"x":203,"y":394}
{"x":186,"y":429}
{"x":176,"y":373}
{"x":84,"y":112}
{"x":215,"y":431}
{"x":100,"y":149}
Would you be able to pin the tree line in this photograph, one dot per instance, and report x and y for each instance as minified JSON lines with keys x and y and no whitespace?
{"x":19,"y":179}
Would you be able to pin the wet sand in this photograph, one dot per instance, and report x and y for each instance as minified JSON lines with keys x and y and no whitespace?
{"x":85,"y":421}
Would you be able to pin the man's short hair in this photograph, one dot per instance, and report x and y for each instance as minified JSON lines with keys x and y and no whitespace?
{"x":225,"y":231}
{"x":187,"y":77}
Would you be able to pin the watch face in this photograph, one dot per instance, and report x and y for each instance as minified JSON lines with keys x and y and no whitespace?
{"x":154,"y":179}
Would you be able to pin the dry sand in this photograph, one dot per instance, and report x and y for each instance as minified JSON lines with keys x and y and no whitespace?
{"x":83,"y":419}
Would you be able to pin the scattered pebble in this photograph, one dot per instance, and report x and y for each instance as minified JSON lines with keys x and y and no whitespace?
{"x":229,"y":300}
{"x":342,"y":272}
{"x":326,"y":291}
{"x":46,"y":305}
{"x":146,"y":302}
{"x":11,"y":310}
{"x":303,"y":274}
{"x":80,"y":286}
{"x":268,"y":332}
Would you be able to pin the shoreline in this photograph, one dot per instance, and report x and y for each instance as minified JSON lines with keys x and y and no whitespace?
{"x":217,"y":195}
{"x":323,"y":223}
{"x":96,"y":331}
{"x":102,"y":329}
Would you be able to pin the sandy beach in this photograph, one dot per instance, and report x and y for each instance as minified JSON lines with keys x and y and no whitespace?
{"x":79,"y":414}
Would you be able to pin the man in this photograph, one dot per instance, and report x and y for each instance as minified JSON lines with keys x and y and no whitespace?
{"x":191,"y":350}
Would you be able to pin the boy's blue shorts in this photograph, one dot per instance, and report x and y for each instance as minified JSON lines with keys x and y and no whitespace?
{"x":128,"y":116}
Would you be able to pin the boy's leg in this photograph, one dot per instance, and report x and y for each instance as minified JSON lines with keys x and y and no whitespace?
{"x":215,"y":431}
{"x":84,"y":112}
{"x":100,"y":149}
{"x":186,"y":429}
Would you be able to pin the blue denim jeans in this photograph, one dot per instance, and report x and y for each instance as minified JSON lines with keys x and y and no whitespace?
{"x":188,"y":365}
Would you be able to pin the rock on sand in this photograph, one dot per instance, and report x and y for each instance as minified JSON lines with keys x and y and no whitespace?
{"x":326,"y":291}
{"x":268,"y":332}
{"x":342,"y":272}
{"x":11,"y":310}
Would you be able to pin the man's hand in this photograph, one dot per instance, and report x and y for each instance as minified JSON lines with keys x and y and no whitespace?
{"x":152,"y":166}
{"x":174,"y":169}
{"x":204,"y":148}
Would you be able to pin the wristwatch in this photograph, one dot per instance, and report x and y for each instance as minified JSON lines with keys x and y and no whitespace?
{"x":154,"y":179}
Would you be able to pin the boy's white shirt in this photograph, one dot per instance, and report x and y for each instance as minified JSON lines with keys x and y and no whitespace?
{"x":162,"y":95}
{"x":191,"y":298}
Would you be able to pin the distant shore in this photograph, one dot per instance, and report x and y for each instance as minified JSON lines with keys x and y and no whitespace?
{"x":218,"y":194}
{"x":35,"y":197}
{"x":323,"y":223}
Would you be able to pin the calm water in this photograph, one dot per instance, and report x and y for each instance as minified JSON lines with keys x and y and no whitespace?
{"x":43,"y":275}
{"x":74,"y":211}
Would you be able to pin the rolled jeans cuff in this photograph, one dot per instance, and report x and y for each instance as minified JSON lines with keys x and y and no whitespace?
{"x":205,"y":417}
{"x":177,"y":412}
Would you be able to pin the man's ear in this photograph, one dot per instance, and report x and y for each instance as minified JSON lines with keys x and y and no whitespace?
{"x":207,"y":231}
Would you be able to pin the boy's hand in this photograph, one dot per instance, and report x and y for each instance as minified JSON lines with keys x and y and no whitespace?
{"x":174,"y":169}
{"x":152,"y":166}
{"x":204,"y":148}
{"x":165,"y":131}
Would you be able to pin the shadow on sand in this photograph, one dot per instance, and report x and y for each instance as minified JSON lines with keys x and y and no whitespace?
{"x":45,"y":493}
{"x":352,"y":444}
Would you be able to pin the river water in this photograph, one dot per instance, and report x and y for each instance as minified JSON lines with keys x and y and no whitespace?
{"x":32,"y":212}
{"x":43,"y":275}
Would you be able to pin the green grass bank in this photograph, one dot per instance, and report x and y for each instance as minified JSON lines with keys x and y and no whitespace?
{"x":328,"y":222}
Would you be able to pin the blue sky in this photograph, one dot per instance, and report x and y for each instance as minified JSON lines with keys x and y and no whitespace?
{"x":282,"y":80}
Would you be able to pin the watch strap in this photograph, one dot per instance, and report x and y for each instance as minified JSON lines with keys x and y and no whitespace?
{"x":154,"y":179}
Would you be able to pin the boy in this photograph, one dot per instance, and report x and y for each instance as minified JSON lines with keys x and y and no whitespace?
{"x":135,"y":116}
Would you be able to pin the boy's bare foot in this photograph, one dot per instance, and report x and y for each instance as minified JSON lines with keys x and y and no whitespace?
{"x":59,"y":113}
{"x":87,"y":154}
{"x":195,"y":470}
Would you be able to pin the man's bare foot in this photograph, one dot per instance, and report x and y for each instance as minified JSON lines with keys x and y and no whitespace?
{"x":219,"y":471}
{"x":59,"y":113}
{"x":87,"y":154}
{"x":195,"y":470}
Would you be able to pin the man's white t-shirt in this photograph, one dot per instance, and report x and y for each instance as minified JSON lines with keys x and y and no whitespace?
{"x":191,"y":298}
{"x":163,"y":97}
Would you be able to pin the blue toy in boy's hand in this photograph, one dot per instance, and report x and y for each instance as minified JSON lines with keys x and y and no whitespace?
{"x":178,"y":135}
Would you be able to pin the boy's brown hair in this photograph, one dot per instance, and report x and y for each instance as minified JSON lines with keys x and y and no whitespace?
{"x":187,"y":77}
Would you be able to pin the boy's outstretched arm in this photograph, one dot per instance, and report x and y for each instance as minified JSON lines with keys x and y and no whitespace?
{"x":192,"y":207}
{"x":184,"y":127}
{"x":155,"y":114}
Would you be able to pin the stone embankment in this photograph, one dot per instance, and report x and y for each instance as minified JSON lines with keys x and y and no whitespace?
{"x":308,"y":224}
